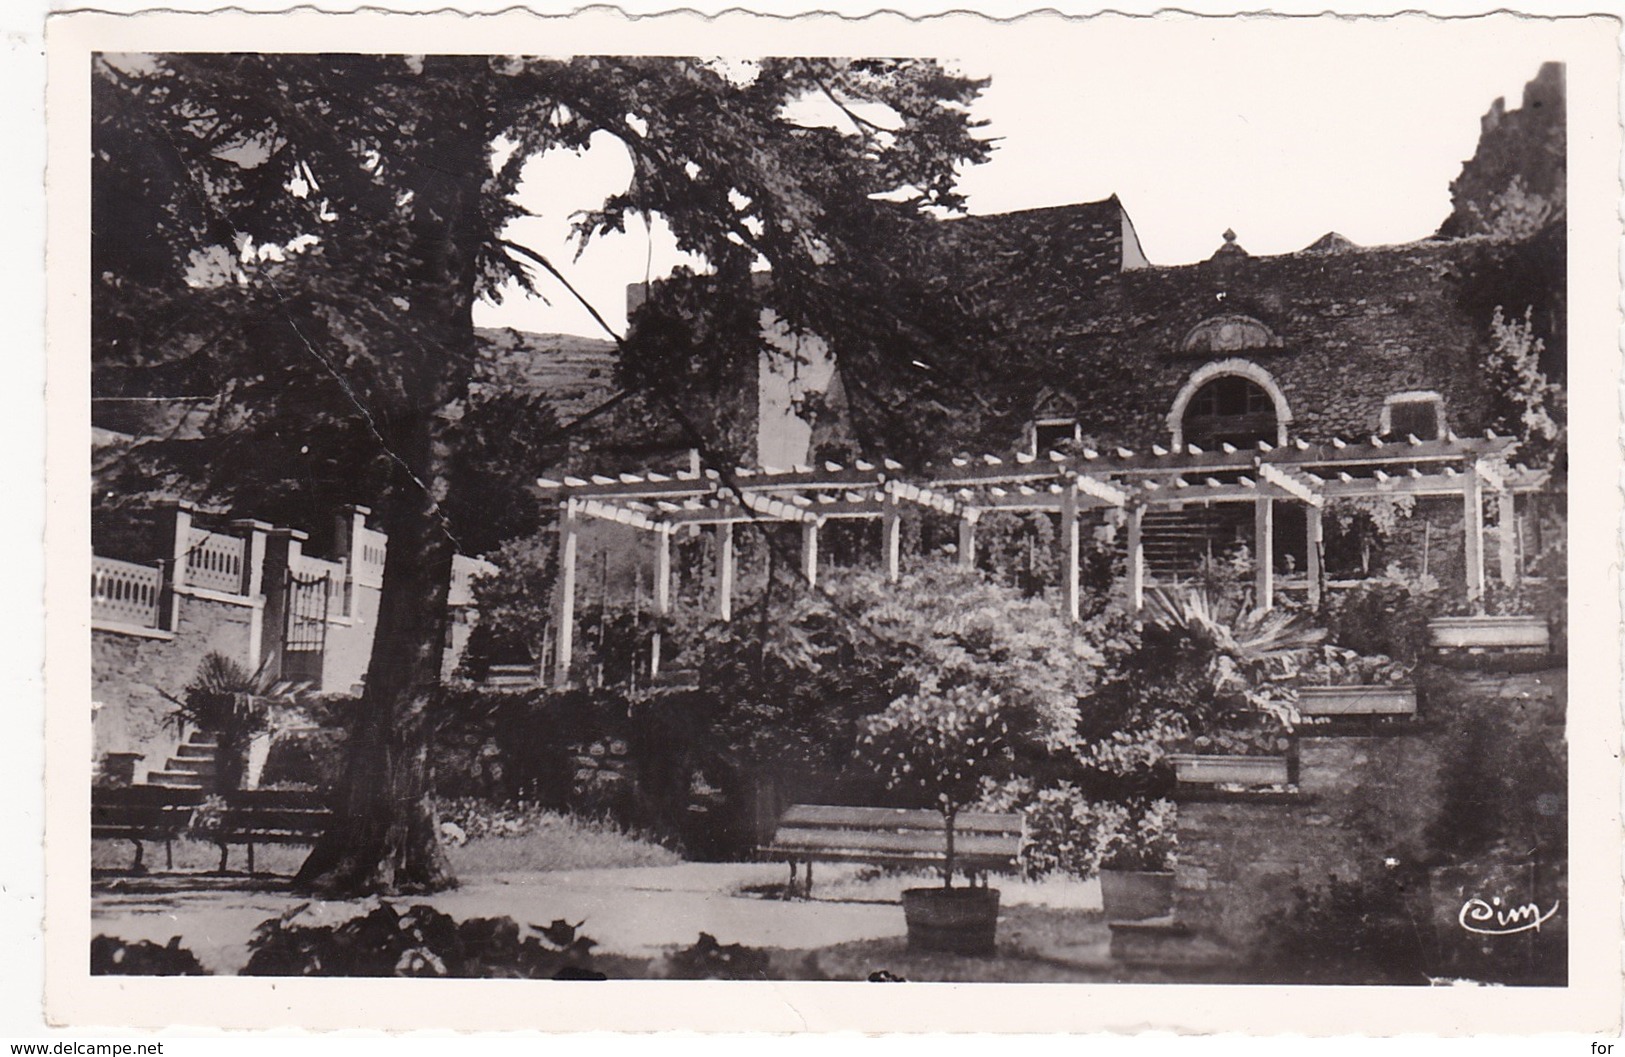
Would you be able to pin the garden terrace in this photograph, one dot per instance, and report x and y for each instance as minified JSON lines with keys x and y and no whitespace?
{"x":1067,"y":484}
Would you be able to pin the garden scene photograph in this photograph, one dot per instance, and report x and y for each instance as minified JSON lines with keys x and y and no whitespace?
{"x":853,"y":519}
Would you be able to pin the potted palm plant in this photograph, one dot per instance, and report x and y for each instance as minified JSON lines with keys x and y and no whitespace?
{"x":238,"y":707}
{"x":944,"y":743}
{"x":1136,"y":864}
{"x":1246,"y":660}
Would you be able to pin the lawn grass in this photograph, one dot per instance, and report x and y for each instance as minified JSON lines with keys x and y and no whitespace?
{"x":196,"y":856}
{"x":551,"y":841}
{"x":557,"y":841}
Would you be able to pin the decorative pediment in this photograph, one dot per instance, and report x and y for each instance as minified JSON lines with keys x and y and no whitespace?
{"x":1220,"y":335}
{"x":1049,"y":404}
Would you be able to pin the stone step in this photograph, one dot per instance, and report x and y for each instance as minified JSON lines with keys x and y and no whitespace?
{"x":188,"y":750}
{"x":195,"y":767}
{"x":174,"y":780}
{"x":1164,"y":942}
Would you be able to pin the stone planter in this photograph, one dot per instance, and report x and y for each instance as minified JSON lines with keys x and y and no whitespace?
{"x":1357,"y":700}
{"x":1230,"y":770}
{"x":1523,"y":632}
{"x":952,"y":920}
{"x":1135,"y":895}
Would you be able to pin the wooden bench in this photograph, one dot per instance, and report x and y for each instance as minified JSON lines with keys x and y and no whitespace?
{"x":886,"y":836}
{"x":139,"y":813}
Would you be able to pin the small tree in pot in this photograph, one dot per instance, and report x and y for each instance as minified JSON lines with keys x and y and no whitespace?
{"x":944,"y":743}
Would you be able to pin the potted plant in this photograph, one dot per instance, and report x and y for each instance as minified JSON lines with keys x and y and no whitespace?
{"x":1136,"y":875}
{"x":944,"y":743}
{"x":1245,"y":661}
{"x":1252,"y":755}
{"x":1504,"y":618}
{"x":1340,"y":682}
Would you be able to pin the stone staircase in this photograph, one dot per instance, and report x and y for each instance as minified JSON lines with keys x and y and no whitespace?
{"x":192,"y":766}
{"x":1175,"y":541}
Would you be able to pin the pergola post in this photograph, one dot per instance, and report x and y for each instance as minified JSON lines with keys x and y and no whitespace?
{"x":1264,"y":553}
{"x":1506,"y":518}
{"x":1472,"y":499}
{"x":564,"y":634}
{"x":1316,"y":536}
{"x":967,"y":542}
{"x":809,"y":552}
{"x":1136,"y":557}
{"x":662,"y":593}
{"x":890,"y":538}
{"x":725,"y":570}
{"x":1069,"y":549}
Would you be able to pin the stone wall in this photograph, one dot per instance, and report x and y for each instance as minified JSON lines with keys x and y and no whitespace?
{"x":1360,"y":801}
{"x":1483,"y":768}
{"x":130,"y":674}
{"x":1350,"y":328}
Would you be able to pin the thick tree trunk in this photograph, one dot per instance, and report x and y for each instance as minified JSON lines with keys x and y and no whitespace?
{"x":385,"y":837}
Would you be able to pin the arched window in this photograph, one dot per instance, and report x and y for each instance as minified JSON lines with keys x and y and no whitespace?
{"x":1229,"y":402}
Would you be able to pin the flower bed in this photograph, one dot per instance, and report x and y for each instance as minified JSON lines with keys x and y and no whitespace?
{"x":1203,"y":769}
{"x":1501,"y":632}
{"x":1314,"y":701}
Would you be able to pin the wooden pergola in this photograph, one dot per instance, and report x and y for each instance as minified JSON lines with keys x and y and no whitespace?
{"x":1065,"y":484}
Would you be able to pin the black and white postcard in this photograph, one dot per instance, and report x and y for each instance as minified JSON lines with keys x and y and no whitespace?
{"x":1107,"y":505}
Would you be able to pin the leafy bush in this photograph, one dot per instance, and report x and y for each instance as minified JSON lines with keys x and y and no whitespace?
{"x":420,"y":942}
{"x":1066,"y":832}
{"x":111,"y":956}
{"x":707,"y":959}
{"x":1386,"y":618}
{"x":1350,"y":932}
{"x":1336,"y":666}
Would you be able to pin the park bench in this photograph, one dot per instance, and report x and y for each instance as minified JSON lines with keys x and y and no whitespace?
{"x":886,"y":836}
{"x":139,"y":813}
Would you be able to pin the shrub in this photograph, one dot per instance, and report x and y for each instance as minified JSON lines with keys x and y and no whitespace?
{"x":1350,"y":932}
{"x":1066,"y":832}
{"x":1144,"y":839}
{"x":1336,"y":666}
{"x":111,"y":956}
{"x":1379,"y":618}
{"x":707,"y":959}
{"x":420,"y":942}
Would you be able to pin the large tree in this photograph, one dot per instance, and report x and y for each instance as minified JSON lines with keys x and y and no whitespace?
{"x":299,"y":242}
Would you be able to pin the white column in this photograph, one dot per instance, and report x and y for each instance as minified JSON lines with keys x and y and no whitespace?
{"x":348,"y":525}
{"x":253,"y":534}
{"x":890,"y":538}
{"x":1264,"y":553}
{"x":565,"y":631}
{"x":179,"y":513}
{"x":809,"y":552}
{"x":662,"y":593}
{"x":284,"y":548}
{"x":1506,"y":517}
{"x":967,"y":542}
{"x":1069,"y":549}
{"x":1472,"y":509}
{"x":725,"y":570}
{"x":1136,"y":558}
{"x":1316,"y":534}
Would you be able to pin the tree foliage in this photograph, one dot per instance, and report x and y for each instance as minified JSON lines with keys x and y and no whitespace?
{"x":298,"y":241}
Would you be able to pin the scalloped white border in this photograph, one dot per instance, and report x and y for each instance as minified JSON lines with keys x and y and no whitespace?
{"x":1589,"y":1004}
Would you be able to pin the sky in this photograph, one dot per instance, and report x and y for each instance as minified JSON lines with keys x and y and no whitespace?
{"x":1280,"y":132}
